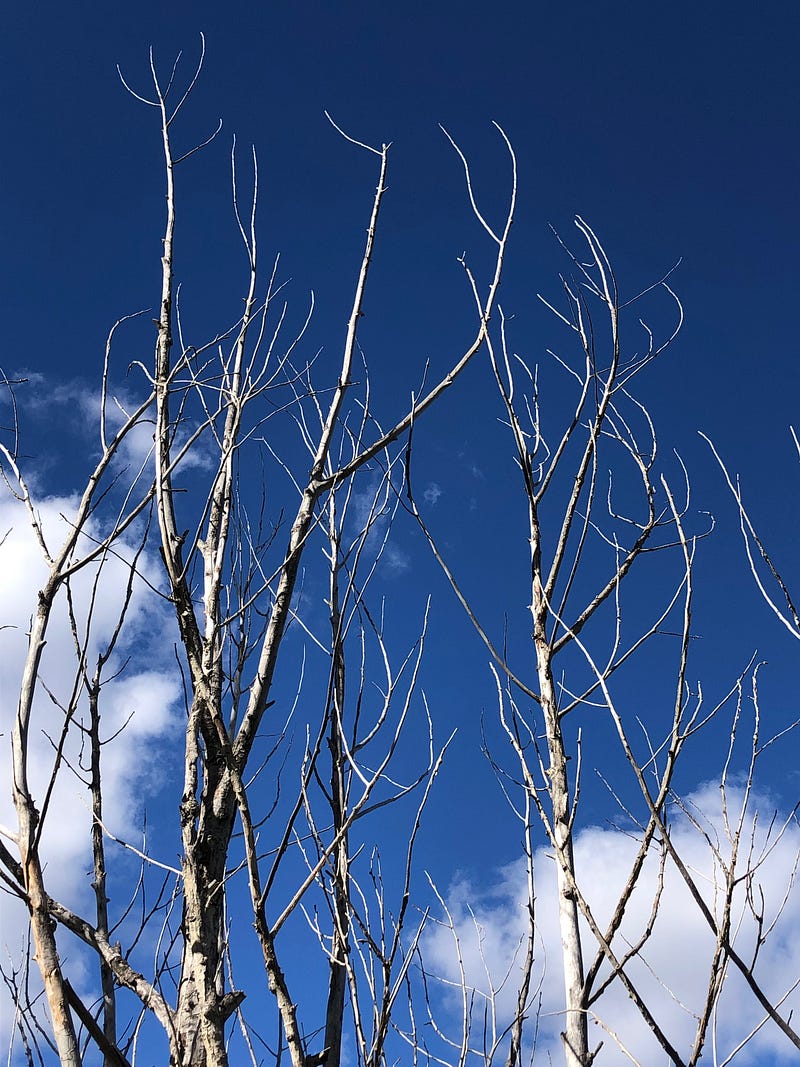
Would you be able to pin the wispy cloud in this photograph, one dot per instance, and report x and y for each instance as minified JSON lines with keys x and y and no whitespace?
{"x":672,"y":969}
{"x":370,"y":514}
{"x":138,"y":707}
{"x":74,"y":403}
{"x":432,"y":493}
{"x":397,"y":561}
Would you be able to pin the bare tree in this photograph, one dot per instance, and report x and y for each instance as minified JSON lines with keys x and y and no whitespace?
{"x":182,"y":526}
{"x":590,"y":534}
{"x":232,"y":570}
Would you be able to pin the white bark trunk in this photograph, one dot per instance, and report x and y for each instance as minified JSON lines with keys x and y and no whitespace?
{"x":575,"y":1033}
{"x":42,"y":926}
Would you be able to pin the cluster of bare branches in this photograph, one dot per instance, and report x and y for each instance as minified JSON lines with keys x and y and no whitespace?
{"x":296,"y":838}
{"x":285,"y":777}
{"x":589,"y":535}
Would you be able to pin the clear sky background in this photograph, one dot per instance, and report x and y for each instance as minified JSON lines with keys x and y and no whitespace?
{"x":671,"y":128}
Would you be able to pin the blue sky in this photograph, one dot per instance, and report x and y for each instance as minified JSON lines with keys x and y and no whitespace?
{"x":670,"y":128}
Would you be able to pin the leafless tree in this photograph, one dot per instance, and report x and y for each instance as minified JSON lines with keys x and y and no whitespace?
{"x":590,"y":534}
{"x":232,"y":571}
{"x":182,"y":514}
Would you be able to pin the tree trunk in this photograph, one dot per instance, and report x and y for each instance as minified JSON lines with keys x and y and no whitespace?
{"x":42,"y":926}
{"x":203,"y":1006}
{"x":575,"y":1034}
{"x":46,"y":955}
{"x":337,"y":984}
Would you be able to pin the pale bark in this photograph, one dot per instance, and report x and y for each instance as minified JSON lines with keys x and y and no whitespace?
{"x":28,"y":834}
{"x":226,"y":592}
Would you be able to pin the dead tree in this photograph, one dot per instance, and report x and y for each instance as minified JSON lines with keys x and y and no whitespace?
{"x":180,"y":516}
{"x":590,"y":533}
{"x":231,"y":576}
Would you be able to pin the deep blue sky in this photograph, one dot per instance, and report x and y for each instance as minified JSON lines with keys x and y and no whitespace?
{"x":671,"y":128}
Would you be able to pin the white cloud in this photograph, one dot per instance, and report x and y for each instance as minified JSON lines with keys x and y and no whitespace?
{"x":139,"y":706}
{"x":72,"y":402}
{"x":672,"y":972}
{"x":432,"y":493}
{"x":397,"y":561}
{"x":371,"y":511}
